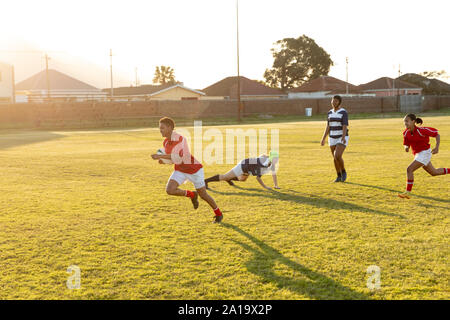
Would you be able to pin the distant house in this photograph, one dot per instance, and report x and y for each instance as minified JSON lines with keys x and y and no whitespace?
{"x":62,"y":88}
{"x":6,"y":83}
{"x":323,"y":87}
{"x":249,"y":89}
{"x":385,"y":86}
{"x":159,"y":92}
{"x":429,"y":86}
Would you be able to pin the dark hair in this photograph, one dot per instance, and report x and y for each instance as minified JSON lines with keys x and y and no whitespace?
{"x":413,"y":117}
{"x":338,"y":97}
{"x":168,"y":122}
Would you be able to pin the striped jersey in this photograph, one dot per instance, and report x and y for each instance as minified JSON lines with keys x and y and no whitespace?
{"x":337,"y":119}
{"x":419,"y":138}
{"x":256,"y":166}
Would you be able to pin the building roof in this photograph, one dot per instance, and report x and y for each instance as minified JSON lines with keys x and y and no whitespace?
{"x":386,"y":83}
{"x":58,"y":81}
{"x":430,"y":86}
{"x":326,"y":83}
{"x":148,"y":89}
{"x":228,"y":88}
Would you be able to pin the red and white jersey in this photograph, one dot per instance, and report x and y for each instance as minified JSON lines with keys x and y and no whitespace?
{"x":419,"y":138}
{"x":177,"y":146}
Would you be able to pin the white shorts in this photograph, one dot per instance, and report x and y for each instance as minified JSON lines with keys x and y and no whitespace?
{"x":423,"y":157}
{"x":238,"y":170}
{"x":333,"y":142}
{"x":198,"y":178}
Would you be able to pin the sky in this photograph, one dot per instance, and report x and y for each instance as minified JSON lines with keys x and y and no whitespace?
{"x":197,"y":38}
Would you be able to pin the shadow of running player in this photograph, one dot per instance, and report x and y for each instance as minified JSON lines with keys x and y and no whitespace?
{"x":311,"y":200}
{"x":397,"y":191}
{"x":313,"y":285}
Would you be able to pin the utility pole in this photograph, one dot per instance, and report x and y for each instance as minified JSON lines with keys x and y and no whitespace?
{"x":136,"y":76}
{"x":47,"y":76}
{"x":238,"y":74}
{"x":393,"y":86}
{"x":346,"y":76}
{"x":13,"y":85}
{"x":112,"y":88}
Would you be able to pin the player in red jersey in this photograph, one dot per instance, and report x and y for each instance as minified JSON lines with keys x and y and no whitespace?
{"x":418,"y":139}
{"x":186,"y":168}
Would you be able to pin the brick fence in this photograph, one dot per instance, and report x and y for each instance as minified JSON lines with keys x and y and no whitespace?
{"x":101,"y":113}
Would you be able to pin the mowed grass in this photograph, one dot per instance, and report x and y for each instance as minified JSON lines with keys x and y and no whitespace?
{"x":96,"y":200}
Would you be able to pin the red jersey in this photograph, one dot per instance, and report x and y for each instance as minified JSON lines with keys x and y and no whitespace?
{"x":178,"y":146}
{"x":419,"y":139}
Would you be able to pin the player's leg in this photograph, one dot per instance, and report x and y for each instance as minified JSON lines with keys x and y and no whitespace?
{"x":223,"y":177}
{"x":336,"y":164}
{"x":198,"y":179}
{"x":218,"y":216}
{"x":172,"y":188}
{"x":436,"y":172}
{"x":243,"y":177}
{"x":340,"y":148}
{"x":410,"y":178}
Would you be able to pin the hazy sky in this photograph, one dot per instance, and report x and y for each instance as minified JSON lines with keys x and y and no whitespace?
{"x":198,"y":37}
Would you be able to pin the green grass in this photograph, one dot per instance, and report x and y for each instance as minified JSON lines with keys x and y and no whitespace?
{"x":95,"y":199}
{"x":151,"y":122}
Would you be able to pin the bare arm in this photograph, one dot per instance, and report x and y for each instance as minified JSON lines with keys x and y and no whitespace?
{"x":438,"y":142}
{"x":161,"y":156}
{"x":262,"y":183}
{"x":325,"y":134}
{"x":344,"y":133}
{"x":275,"y":181}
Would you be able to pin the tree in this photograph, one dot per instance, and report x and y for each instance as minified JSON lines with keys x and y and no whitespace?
{"x":435,"y":74}
{"x":164,"y":75}
{"x":296,"y":61}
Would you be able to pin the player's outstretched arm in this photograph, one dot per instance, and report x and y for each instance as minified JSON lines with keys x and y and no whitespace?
{"x":161,"y":156}
{"x":275,"y":180}
{"x":262,"y":183}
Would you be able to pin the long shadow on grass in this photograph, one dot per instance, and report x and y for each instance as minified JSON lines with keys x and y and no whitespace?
{"x":316,"y":201}
{"x":397,"y":191}
{"x":11,"y":140}
{"x":314,"y":285}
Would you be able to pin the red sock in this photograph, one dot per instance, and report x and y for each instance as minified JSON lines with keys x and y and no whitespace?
{"x":446,"y":170}
{"x":217,"y":212}
{"x":409,"y":185}
{"x":190,"y":194}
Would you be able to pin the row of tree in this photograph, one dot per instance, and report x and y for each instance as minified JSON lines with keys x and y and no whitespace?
{"x":296,"y":61}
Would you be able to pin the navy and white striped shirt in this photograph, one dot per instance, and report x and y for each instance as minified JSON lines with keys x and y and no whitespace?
{"x":256,"y":166}
{"x":336,"y":120}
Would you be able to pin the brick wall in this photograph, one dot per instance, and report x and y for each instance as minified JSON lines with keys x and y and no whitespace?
{"x":100,"y":114}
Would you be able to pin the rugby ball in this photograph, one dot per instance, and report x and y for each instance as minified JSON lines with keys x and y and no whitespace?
{"x":167,"y":161}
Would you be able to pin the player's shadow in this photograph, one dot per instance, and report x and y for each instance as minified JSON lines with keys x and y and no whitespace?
{"x":397,"y":191}
{"x":308,"y":283}
{"x":312,"y":200}
{"x":11,"y":140}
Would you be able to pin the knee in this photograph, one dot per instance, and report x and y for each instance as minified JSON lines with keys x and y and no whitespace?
{"x":338,"y":157}
{"x":409,"y":170}
{"x":203,"y":194}
{"x":434,"y":173}
{"x":170,"y":191}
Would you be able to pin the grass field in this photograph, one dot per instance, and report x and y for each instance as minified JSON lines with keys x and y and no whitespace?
{"x":95,"y":199}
